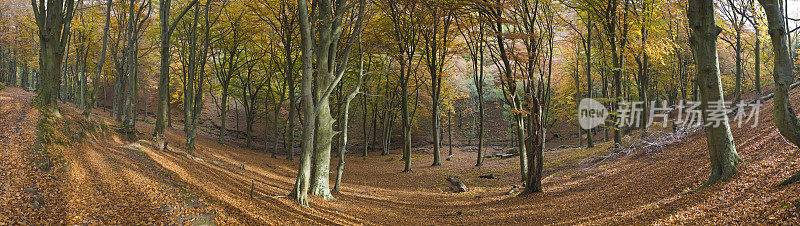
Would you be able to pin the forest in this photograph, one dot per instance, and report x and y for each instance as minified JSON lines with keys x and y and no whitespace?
{"x":399,"y":112}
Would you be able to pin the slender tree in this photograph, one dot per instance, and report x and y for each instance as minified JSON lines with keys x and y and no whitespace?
{"x":436,"y":39}
{"x":166,"y":29}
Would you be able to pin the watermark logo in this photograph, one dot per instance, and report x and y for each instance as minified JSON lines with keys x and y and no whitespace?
{"x":591,"y":113}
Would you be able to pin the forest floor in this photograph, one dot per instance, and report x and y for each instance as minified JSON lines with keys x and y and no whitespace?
{"x":107,"y":179}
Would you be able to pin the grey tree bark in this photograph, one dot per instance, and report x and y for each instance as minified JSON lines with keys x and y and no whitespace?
{"x":703,"y":41}
{"x":300,"y":191}
{"x":346,"y":118}
{"x":436,"y":42}
{"x":163,"y":79}
{"x":785,"y":117}
{"x":53,"y":20}
{"x":329,"y":23}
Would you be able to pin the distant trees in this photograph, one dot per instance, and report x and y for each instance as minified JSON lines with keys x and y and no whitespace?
{"x":406,"y":28}
{"x":737,"y":23}
{"x":282,"y":18}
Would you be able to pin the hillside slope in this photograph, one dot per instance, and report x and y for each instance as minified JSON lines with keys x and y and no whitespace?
{"x":233,"y":185}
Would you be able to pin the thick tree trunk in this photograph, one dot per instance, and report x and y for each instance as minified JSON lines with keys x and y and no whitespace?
{"x":703,"y":41}
{"x":785,"y":117}
{"x":322,"y":146}
{"x":533,"y":182}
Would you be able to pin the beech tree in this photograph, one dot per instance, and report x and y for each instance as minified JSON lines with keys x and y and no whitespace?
{"x":471,"y":26}
{"x":319,"y":81}
{"x":404,"y":16}
{"x":703,"y":41}
{"x":785,"y":118}
{"x":436,"y":39}
{"x":167,"y":29}
{"x":53,"y":18}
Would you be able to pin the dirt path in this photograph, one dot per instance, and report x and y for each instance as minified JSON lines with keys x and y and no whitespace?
{"x":28,"y":193}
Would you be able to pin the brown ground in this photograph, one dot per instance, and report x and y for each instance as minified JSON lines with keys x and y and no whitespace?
{"x":110,"y":180}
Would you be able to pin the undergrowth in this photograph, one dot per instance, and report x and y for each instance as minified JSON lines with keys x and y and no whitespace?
{"x":54,"y":134}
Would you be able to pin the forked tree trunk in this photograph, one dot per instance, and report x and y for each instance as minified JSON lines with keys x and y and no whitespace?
{"x":343,"y":144}
{"x":533,"y":182}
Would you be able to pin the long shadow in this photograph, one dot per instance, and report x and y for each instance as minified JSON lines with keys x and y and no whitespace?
{"x":238,"y":188}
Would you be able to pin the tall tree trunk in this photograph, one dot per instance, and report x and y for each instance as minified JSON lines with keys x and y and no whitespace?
{"x":290,"y":125}
{"x":346,"y":118}
{"x":479,"y":89}
{"x":757,"y":53}
{"x":589,"y":89}
{"x":785,"y":117}
{"x":533,"y":182}
{"x":644,"y":80}
{"x":102,"y":61}
{"x":300,"y":191}
{"x":703,"y":41}
{"x":289,"y":76}
{"x":163,"y":78}
{"x":406,"y":124}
